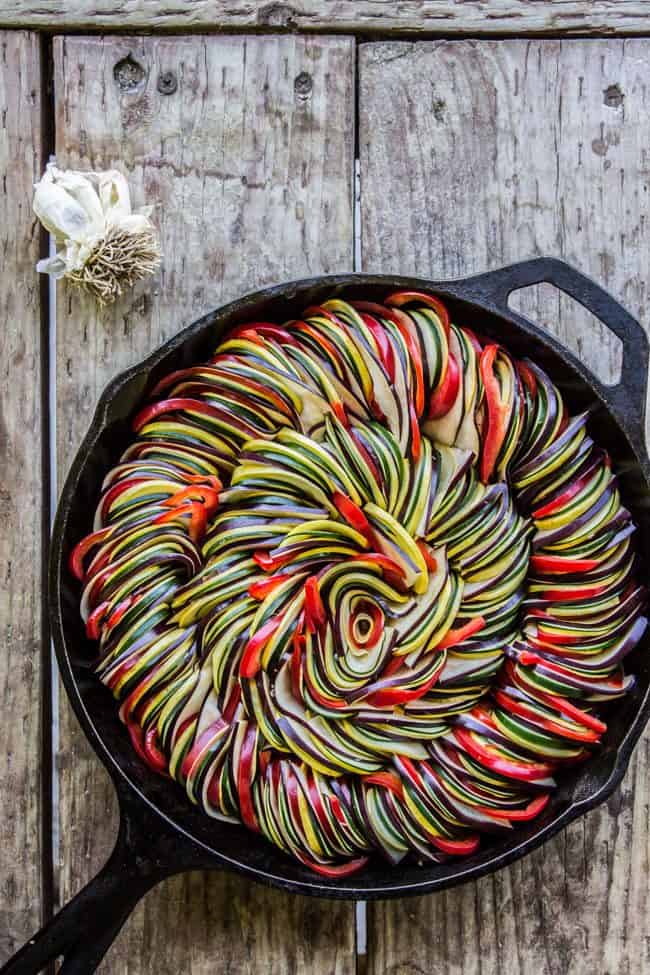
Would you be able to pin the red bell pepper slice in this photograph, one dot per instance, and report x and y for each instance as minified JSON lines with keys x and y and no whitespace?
{"x":214,"y":790}
{"x":533,"y":809}
{"x":332,"y":870}
{"x":335,"y":806}
{"x":549,"y":638}
{"x":564,"y":706}
{"x":122,"y":670}
{"x":137,"y":740}
{"x":250,"y":335}
{"x":385,"y":563}
{"x":297,"y":654}
{"x":562,"y":499}
{"x":120,"y":610}
{"x":232,"y":703}
{"x":427,"y":555}
{"x":559,"y":563}
{"x":401,"y":298}
{"x":251,"y":660}
{"x":416,"y":439}
{"x":383,"y":344}
{"x":198,"y":518}
{"x":497,"y":413}
{"x":529,"y":659}
{"x":502,"y":766}
{"x":376,"y":627}
{"x":153,"y":410}
{"x":444,"y":395}
{"x":521,"y":709}
{"x":411,"y":772}
{"x":387,"y":780}
{"x":339,"y":412}
{"x":399,"y":695}
{"x":198,"y":744}
{"x":291,"y":791}
{"x":318,"y":808}
{"x":336,"y":703}
{"x":453,"y":637}
{"x":263,"y":759}
{"x":569,"y":595}
{"x":270,"y":562}
{"x":245,"y":774}
{"x":96,"y":619}
{"x":209,"y":480}
{"x":415,"y":356}
{"x":146,"y":748}
{"x":268,"y":329}
{"x":319,"y":339}
{"x":81,"y":549}
{"x":464,"y":847}
{"x":315,"y":614}
{"x":156,"y":758}
{"x":207,"y":496}
{"x":354,"y":516}
{"x":391,"y":571}
{"x":528,"y":378}
{"x":263,"y":587}
{"x":114,"y":492}
{"x":315,"y":311}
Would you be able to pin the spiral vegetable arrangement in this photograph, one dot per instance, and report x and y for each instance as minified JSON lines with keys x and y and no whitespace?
{"x":318,"y":605}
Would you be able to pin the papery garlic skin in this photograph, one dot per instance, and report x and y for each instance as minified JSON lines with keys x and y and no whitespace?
{"x":79,"y":210}
{"x":68,"y":206}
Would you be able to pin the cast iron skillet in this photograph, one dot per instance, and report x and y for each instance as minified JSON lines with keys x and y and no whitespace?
{"x":160,"y":833}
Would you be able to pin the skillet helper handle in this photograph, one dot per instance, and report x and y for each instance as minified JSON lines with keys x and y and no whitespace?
{"x":627,"y":397}
{"x":145,"y":853}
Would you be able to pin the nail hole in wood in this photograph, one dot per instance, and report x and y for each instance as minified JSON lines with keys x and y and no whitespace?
{"x":613,"y":96}
{"x":303,"y":85}
{"x":129,"y":75}
{"x":167,"y":83}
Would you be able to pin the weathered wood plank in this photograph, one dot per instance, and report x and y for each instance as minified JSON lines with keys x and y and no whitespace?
{"x":21,"y":485}
{"x":250,"y":161}
{"x":497,"y":152}
{"x":440,"y":17}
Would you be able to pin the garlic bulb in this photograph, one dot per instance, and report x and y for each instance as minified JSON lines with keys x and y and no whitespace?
{"x":101,"y":244}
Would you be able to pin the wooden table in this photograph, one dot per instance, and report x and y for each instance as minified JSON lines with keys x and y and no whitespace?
{"x":470,"y":153}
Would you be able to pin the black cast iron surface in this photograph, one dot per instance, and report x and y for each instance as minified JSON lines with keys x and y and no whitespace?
{"x":160,"y":832}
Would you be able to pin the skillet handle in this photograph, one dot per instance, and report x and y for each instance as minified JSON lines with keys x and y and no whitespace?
{"x":146,"y":852}
{"x":627,"y":398}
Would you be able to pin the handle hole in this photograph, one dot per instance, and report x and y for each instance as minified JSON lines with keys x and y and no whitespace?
{"x":574,"y":326}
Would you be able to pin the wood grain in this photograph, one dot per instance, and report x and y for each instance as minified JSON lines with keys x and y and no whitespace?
{"x":440,"y":17}
{"x":250,"y":162}
{"x":508,"y":150}
{"x":21,"y":486}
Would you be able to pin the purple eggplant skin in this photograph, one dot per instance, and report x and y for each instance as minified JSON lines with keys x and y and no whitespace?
{"x":527,"y":497}
{"x":543,"y":538}
{"x":472,"y":723}
{"x":572,"y":428}
{"x":591,"y":463}
{"x":607,"y":658}
{"x":551,"y":416}
{"x":447,"y":761}
{"x":464,"y":811}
